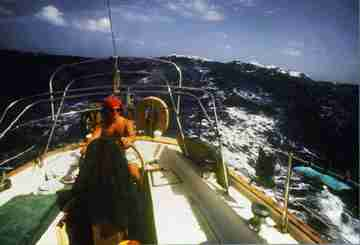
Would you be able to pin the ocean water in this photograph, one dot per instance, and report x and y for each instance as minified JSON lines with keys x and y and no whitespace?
{"x":244,"y":133}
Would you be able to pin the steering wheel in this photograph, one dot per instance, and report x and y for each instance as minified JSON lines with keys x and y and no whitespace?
{"x":134,"y":157}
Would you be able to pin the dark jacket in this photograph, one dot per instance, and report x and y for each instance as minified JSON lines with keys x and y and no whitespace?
{"x":103,"y":185}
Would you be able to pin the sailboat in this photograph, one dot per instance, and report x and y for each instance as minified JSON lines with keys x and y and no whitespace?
{"x":190,"y":194}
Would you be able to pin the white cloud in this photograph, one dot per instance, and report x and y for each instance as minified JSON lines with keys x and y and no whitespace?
{"x":294,"y":43}
{"x":52,"y":15}
{"x":99,"y":25}
{"x":200,"y":6}
{"x":294,"y":48}
{"x":228,"y":46}
{"x":5,"y":11}
{"x":292,"y":52}
{"x":139,"y":42}
{"x":159,"y":43}
{"x":196,"y":8}
{"x":237,"y":4}
{"x":134,"y":15}
{"x":213,"y":15}
{"x":273,"y":11}
{"x":247,"y":3}
{"x":269,"y":12}
{"x":172,"y":6}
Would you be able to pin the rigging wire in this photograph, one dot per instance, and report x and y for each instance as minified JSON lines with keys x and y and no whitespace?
{"x":111,"y":28}
{"x":116,"y":73}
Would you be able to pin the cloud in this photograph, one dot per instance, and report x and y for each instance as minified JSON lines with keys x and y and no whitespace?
{"x":213,"y":15}
{"x":134,"y":15}
{"x":247,"y":3}
{"x":292,"y":52}
{"x":237,"y":4}
{"x":52,"y":15}
{"x":196,"y":9}
{"x":96,"y":25}
{"x":139,"y":42}
{"x":160,"y":43}
{"x":270,"y":12}
{"x":172,"y":6}
{"x":228,"y":46}
{"x":5,"y":11}
{"x":294,"y":48}
{"x":294,"y":43}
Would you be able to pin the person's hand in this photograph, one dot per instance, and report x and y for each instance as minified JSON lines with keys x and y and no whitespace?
{"x":125,"y":142}
{"x":63,"y":220}
{"x":82,"y":148}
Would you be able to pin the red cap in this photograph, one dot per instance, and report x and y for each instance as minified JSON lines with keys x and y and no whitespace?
{"x":112,"y":102}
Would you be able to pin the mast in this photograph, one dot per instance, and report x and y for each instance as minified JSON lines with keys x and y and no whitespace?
{"x":116,"y":72}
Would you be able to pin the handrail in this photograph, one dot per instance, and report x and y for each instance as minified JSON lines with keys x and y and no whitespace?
{"x":60,"y":68}
{"x":314,"y":214}
{"x":107,"y":87}
{"x":57,"y":117}
{"x":80,"y":78}
{"x":311,"y":164}
{"x":17,"y":155}
{"x":284,"y":218}
{"x":102,"y":93}
{"x":13,"y":103}
{"x":291,"y":157}
{"x":178,"y":120}
{"x":42,"y":101}
{"x":180,"y":76}
{"x":169,"y":88}
{"x":60,"y":109}
{"x":220,"y":144}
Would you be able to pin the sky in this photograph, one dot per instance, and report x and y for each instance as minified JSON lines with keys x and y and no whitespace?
{"x":317,"y":37}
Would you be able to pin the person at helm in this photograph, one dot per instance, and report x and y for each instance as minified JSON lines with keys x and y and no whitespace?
{"x":114,"y":124}
{"x":103,"y":184}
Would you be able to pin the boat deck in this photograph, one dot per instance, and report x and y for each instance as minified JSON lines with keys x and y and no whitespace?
{"x":186,"y":208}
{"x":199,"y":207}
{"x":32,"y":214}
{"x":177,"y":216}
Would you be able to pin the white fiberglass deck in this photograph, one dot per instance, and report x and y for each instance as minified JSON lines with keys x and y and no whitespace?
{"x":177,"y":216}
{"x":182,"y":216}
{"x":187,"y":208}
{"x":242,"y":206}
{"x":30,"y":179}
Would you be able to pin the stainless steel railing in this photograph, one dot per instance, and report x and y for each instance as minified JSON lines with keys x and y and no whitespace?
{"x":62,"y":67}
{"x":291,"y":157}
